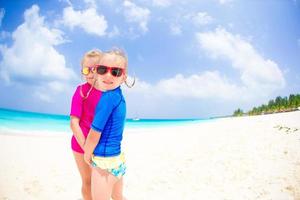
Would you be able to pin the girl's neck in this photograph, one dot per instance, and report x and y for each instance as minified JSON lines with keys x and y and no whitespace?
{"x":90,"y":84}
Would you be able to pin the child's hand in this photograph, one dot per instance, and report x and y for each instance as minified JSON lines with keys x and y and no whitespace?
{"x":87,"y":158}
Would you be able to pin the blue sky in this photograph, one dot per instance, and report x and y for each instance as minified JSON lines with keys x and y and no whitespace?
{"x":192,"y":59}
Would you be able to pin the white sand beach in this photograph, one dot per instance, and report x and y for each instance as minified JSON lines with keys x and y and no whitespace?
{"x":255,"y":158}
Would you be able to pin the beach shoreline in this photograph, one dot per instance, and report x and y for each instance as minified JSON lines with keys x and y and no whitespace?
{"x":249,"y":157}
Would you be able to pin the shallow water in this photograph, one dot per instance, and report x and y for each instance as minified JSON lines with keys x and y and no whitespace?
{"x":23,"y":121}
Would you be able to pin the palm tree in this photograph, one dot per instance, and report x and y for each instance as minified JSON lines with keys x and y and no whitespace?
{"x":280,"y":104}
{"x":238,"y":112}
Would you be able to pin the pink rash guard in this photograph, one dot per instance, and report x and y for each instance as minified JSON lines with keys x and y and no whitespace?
{"x":84,"y":109}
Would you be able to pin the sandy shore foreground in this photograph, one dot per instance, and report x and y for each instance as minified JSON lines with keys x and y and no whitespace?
{"x":232,"y":158}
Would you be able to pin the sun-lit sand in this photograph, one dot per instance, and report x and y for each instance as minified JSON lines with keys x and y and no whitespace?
{"x":231,"y":158}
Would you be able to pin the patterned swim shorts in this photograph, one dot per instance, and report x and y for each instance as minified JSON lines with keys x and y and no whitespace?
{"x":114,"y":165}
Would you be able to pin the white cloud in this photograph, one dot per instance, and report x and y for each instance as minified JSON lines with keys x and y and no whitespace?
{"x":225,"y":1}
{"x":208,"y":84}
{"x":170,"y":96}
{"x":89,"y":20}
{"x":68,"y":2}
{"x":56,"y":87}
{"x":32,"y":58}
{"x":259,"y":78}
{"x":139,"y":87}
{"x":202,"y":18}
{"x":136,"y":14}
{"x":115,"y":32}
{"x":195,"y":19}
{"x":175,"y":29}
{"x":257,"y":73}
{"x":230,"y":25}
{"x":205,"y":85}
{"x":161,"y":3}
{"x":2,"y":13}
{"x":91,"y":3}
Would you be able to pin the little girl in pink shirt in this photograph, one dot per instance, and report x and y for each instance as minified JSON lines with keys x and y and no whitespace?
{"x":84,"y":103}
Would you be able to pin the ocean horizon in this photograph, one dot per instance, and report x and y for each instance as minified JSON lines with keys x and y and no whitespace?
{"x":18,"y":121}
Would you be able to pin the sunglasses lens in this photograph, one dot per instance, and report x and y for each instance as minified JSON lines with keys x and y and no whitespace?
{"x":101,"y":70}
{"x":85,"y":71}
{"x":117,"y":72}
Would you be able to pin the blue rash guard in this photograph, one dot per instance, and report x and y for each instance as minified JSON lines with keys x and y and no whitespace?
{"x":109,"y":120}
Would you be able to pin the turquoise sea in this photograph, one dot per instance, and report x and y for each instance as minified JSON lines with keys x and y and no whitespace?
{"x":30,"y":122}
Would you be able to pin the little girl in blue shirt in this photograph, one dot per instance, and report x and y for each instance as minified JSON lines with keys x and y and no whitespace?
{"x":103,"y":145}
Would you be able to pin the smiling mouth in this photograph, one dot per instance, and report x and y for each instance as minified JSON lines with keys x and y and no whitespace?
{"x":108,"y":82}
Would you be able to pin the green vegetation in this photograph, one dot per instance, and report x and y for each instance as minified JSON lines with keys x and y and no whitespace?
{"x":280,"y":104}
{"x":238,"y":112}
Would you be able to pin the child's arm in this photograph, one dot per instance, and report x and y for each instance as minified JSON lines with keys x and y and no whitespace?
{"x":103,"y":110}
{"x":90,"y":144}
{"x":77,"y":132}
{"x":75,"y":115}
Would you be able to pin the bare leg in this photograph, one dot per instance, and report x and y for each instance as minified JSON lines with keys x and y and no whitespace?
{"x":102,"y":184}
{"x":85,"y":173}
{"x":117,"y":193}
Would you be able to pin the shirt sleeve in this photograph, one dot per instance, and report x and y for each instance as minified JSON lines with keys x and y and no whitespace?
{"x":103,"y":111}
{"x":76,"y":105}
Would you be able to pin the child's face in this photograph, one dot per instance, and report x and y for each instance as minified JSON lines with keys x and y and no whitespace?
{"x":90,"y":63}
{"x":108,"y":81}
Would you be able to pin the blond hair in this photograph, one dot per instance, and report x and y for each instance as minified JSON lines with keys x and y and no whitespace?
{"x":121,"y":54}
{"x":91,"y":54}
